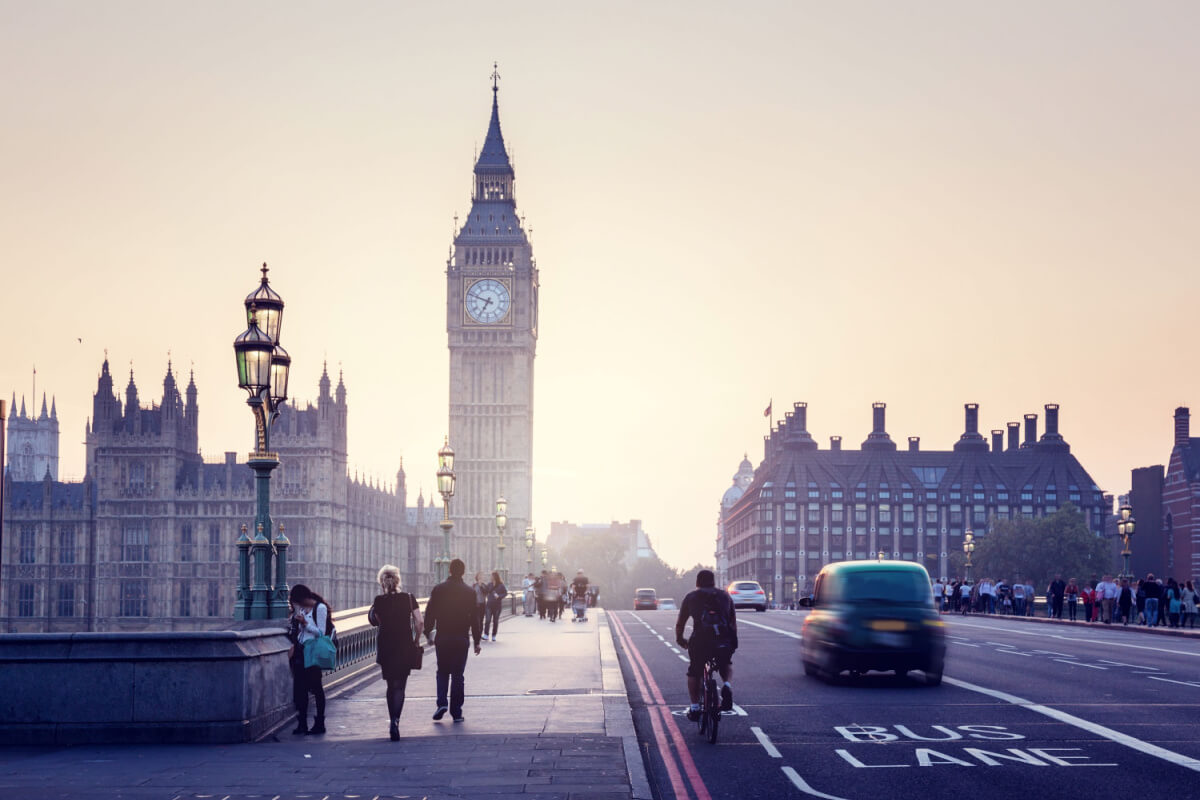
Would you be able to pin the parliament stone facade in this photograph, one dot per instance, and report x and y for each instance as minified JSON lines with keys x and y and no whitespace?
{"x":146,"y":541}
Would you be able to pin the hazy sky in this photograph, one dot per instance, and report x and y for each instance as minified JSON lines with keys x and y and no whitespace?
{"x":921,"y":203}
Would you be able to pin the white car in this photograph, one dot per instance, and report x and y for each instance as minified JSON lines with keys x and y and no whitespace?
{"x":748,"y":594}
{"x":667,"y":604}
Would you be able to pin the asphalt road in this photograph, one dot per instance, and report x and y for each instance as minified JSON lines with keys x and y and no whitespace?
{"x":1025,"y":710}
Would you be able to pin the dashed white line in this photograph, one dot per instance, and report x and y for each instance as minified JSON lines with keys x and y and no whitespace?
{"x":1168,"y":680}
{"x":771,"y":749}
{"x":1016,"y":653}
{"x":769,"y":628}
{"x":1078,"y":663}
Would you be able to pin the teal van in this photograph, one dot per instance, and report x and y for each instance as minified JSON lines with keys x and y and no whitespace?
{"x":873,"y":615}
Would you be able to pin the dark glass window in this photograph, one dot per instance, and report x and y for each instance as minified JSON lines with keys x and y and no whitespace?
{"x":66,"y":600}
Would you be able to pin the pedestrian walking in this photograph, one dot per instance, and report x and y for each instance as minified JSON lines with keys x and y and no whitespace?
{"x":1125,"y":601}
{"x":1072,"y":597}
{"x":1190,"y":603}
{"x":1153,"y":596}
{"x":964,"y":597}
{"x":482,"y":590}
{"x":1030,"y":598}
{"x":451,"y":623}
{"x":1055,"y":593}
{"x":539,"y":590}
{"x":310,"y":619}
{"x":495,"y":604}
{"x":1018,"y":592}
{"x":1174,"y":601}
{"x":528,"y":594}
{"x":398,"y":618}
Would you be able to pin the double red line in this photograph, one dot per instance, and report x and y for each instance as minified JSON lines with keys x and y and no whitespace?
{"x":678,"y":761}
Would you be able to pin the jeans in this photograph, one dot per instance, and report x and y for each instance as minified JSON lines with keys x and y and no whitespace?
{"x":492,"y":618}
{"x":1151,"y":611}
{"x":451,"y":661}
{"x":1019,"y":606}
{"x":1056,"y":603}
{"x":1071,"y":607}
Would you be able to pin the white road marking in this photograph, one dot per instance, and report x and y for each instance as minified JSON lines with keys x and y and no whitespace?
{"x":1077,"y":663}
{"x":769,"y":628}
{"x":964,"y":644}
{"x":1091,"y":727}
{"x":738,"y":710}
{"x":1121,"y":664}
{"x":1168,"y":680}
{"x":1106,"y":642}
{"x":1016,"y":653}
{"x":803,"y":786}
{"x":771,"y":749}
{"x":684,"y":658}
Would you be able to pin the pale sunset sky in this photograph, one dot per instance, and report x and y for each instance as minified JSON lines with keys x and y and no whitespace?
{"x":922,"y":203}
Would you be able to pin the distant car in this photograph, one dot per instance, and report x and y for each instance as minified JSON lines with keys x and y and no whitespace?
{"x":667,"y":604}
{"x":873,"y":615}
{"x":748,"y":594}
{"x":645,"y":600}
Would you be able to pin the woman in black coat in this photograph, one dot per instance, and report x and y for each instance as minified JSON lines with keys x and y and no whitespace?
{"x":399,"y":621}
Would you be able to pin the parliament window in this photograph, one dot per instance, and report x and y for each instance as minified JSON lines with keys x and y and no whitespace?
{"x":66,"y":600}
{"x":814,"y":512}
{"x":214,"y":542}
{"x":135,"y":543}
{"x":185,"y":599}
{"x":214,"y":599}
{"x":133,"y":598}
{"x":187,"y":547}
{"x":28,"y":545}
{"x":25,"y":595}
{"x":66,"y":545}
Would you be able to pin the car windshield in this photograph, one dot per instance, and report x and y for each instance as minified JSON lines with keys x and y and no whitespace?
{"x":886,"y":586}
{"x":746,"y":587}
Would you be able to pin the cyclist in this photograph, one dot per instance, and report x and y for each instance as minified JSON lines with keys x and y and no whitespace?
{"x":714,"y":634}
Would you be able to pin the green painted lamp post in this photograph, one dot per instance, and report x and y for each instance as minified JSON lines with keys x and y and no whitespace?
{"x":501,"y":524}
{"x":530,"y":538}
{"x":445,"y":483}
{"x":969,"y":548}
{"x":1125,"y":528}
{"x":545,"y":558}
{"x":263,"y":367}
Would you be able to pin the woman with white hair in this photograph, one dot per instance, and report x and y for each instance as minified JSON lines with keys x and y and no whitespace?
{"x":399,"y":621}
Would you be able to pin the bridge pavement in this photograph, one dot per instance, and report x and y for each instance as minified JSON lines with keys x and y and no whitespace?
{"x":547,"y":716}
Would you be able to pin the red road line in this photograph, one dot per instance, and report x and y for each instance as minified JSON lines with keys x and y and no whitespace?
{"x":685,"y":756}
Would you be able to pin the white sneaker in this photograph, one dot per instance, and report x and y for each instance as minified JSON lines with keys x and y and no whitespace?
{"x":484,"y":637}
{"x":493,"y":637}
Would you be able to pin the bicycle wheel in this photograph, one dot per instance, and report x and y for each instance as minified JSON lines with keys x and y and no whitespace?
{"x":712,"y":710}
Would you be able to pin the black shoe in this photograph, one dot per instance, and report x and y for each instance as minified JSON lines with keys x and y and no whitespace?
{"x":693,"y":714}
{"x":441,"y":712}
{"x":459,"y":718}
{"x":317,"y":728}
{"x":301,"y":728}
{"x":394,"y":730}
{"x":726,"y":699}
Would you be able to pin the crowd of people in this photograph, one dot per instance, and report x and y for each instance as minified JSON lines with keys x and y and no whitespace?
{"x":1150,"y":601}
{"x":456,"y":616}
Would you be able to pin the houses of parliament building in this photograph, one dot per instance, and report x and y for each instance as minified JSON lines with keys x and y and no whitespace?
{"x":146,"y":541}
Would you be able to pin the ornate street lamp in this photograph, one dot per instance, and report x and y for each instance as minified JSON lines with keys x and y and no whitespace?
{"x":545,"y":558}
{"x":530,"y":538}
{"x":445,"y":483}
{"x":501,"y":524}
{"x":263,"y":366}
{"x":1125,"y":528}
{"x":969,"y":548}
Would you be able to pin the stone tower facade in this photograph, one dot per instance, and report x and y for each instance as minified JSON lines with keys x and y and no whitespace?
{"x":33,"y":442}
{"x":491,"y":325}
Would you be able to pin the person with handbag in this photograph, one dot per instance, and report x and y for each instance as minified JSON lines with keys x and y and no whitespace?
{"x":311,"y":621}
{"x":398,"y":650}
{"x":495,"y":604}
{"x":482,"y":590}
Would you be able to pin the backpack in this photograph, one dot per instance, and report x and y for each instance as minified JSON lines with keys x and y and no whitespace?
{"x":712,"y":623}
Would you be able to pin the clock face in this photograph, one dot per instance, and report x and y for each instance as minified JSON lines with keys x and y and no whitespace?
{"x":487,"y":301}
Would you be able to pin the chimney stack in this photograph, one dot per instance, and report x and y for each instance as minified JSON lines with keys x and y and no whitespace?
{"x":879,"y":411}
{"x":1182,"y":426}
{"x":1030,"y":430}
{"x":914,"y":444}
{"x":1014,"y":436}
{"x":1052,"y":420}
{"x":800,"y":413}
{"x":835,"y":443}
{"x":972,"y":417}
{"x":997,"y":441}
{"x":878,"y":439}
{"x":971,"y":439}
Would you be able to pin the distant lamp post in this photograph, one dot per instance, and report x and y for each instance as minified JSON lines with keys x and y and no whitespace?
{"x":263,"y":366}
{"x":529,"y":541}
{"x":501,"y":524}
{"x":445,"y":483}
{"x":1125,"y":528}
{"x":969,"y":548}
{"x":545,"y":558}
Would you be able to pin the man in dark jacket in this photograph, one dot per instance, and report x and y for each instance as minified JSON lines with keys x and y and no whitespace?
{"x":704,"y":606}
{"x":451,"y":610}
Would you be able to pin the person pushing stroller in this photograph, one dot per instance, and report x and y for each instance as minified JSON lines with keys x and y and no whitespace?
{"x":579,"y":596}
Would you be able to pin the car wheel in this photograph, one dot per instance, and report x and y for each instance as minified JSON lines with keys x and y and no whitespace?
{"x":933,"y":675}
{"x":901,"y":674}
{"x":761,"y":609}
{"x":810,"y":669}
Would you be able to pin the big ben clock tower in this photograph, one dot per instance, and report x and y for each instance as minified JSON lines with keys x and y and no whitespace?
{"x":491,"y":326}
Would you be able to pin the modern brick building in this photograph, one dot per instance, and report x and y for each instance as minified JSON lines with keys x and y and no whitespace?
{"x":146,"y":541}
{"x":808,"y":506}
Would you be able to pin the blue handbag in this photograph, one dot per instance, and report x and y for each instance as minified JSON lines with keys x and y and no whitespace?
{"x":320,"y":652}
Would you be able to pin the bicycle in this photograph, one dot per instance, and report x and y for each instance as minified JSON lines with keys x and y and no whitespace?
{"x":710,"y":701}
